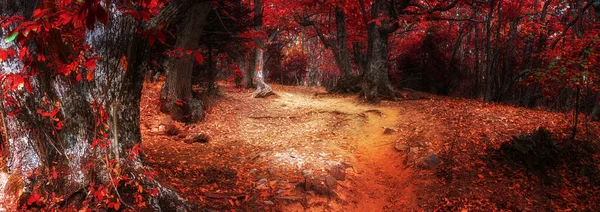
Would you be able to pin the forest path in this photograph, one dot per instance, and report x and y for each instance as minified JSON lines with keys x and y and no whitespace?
{"x":280,"y":152}
{"x":381,"y":179}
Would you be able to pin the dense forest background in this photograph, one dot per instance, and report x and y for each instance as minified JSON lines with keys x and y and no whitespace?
{"x":77,"y":76}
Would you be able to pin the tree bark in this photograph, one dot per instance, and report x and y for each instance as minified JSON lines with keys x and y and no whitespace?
{"x":176,"y":95}
{"x":348,"y":82}
{"x":595,"y":116}
{"x":100,"y":124}
{"x":376,"y":80}
{"x":250,"y":71}
{"x":262,"y":89}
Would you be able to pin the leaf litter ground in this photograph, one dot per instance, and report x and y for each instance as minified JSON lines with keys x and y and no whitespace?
{"x":263,"y":153}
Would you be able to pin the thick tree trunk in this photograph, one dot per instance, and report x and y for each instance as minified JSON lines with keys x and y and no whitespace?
{"x":376,"y":80}
{"x":250,"y":71}
{"x":176,"y":95}
{"x":348,"y":83}
{"x":100,"y":123}
{"x":212,"y":71}
{"x":595,"y":116}
{"x":262,"y":89}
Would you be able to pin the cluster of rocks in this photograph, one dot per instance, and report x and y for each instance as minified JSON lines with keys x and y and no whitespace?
{"x":418,"y":156}
{"x":324,"y":183}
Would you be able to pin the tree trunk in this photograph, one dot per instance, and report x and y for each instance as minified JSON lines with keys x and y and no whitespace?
{"x":212,"y":71}
{"x":595,"y":116}
{"x":376,"y":82}
{"x":262,"y":89}
{"x":94,"y":149}
{"x":250,"y":71}
{"x":348,"y":83}
{"x":176,"y":95}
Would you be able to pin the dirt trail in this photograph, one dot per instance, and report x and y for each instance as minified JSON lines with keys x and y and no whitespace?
{"x":276,"y":141}
{"x":379,"y":172}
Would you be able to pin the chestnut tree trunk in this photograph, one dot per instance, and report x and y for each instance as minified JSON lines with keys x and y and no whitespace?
{"x":86,"y":154}
{"x":262,"y":89}
{"x":176,"y":95}
{"x":376,"y":80}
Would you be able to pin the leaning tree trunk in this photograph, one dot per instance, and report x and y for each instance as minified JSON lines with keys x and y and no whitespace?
{"x":176,"y":95}
{"x":262,"y":89}
{"x":85,"y":155}
{"x":376,"y":80}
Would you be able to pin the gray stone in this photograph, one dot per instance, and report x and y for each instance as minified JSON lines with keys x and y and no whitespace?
{"x":262,"y":187}
{"x":330,"y":181}
{"x":389,"y":131}
{"x":268,"y":202}
{"x":411,"y":156}
{"x":338,"y":172}
{"x":430,"y":162}
{"x":402,"y":148}
{"x":262,"y":181}
{"x":306,"y":173}
{"x":318,"y":185}
{"x":253,"y":171}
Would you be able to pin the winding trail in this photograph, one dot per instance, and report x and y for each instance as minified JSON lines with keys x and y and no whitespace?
{"x":277,"y":139}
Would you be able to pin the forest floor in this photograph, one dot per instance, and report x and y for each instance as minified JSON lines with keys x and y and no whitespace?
{"x":305,"y":150}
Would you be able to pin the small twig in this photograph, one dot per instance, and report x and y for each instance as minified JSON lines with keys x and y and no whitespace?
{"x":224,"y":195}
{"x":273,"y":117}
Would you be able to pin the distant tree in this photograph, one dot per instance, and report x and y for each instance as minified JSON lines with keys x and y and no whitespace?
{"x":225,"y":22}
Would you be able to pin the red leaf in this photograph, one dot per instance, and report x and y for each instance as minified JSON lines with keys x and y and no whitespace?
{"x":123,"y":63}
{"x":160,"y":36}
{"x":59,"y":125}
{"x":199,"y":57}
{"x":54,"y":174}
{"x":90,"y":64}
{"x":90,"y":76}
{"x":3,"y":55}
{"x":33,"y":199}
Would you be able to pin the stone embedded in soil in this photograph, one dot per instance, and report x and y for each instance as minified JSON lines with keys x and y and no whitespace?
{"x":262,"y":181}
{"x":402,"y":148}
{"x":389,"y":131}
{"x":172,"y":130}
{"x":338,"y":172}
{"x":330,"y":181}
{"x":306,"y":173}
{"x":197,"y":138}
{"x":269,"y":202}
{"x":253,"y":171}
{"x":318,"y":184}
{"x":411,"y":156}
{"x":429,"y":162}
